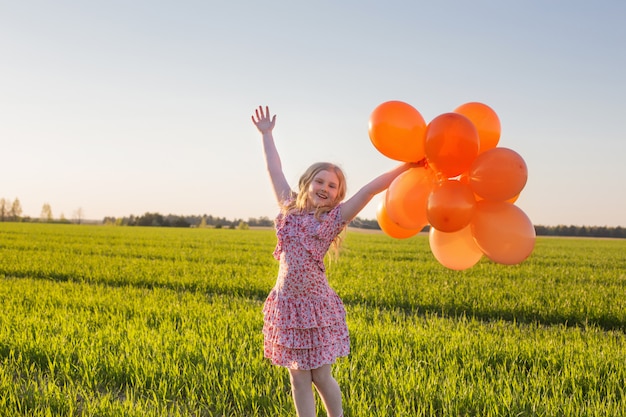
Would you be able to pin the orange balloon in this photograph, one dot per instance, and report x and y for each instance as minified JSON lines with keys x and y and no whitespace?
{"x":389,"y":227}
{"x":407,"y":196}
{"x":450,"y":206}
{"x":464,"y":178}
{"x":456,"y":250}
{"x":498,"y":174}
{"x":503,"y":232}
{"x":451,"y":144}
{"x":397,"y":129}
{"x":486,"y":121}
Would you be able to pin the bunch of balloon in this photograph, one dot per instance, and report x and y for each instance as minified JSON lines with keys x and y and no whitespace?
{"x":466,"y":190}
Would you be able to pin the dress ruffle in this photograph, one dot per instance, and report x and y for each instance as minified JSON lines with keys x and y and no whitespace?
{"x":303,"y":312}
{"x":305,"y":334}
{"x":301,"y":333}
{"x":303,"y":338}
{"x":307,"y":358}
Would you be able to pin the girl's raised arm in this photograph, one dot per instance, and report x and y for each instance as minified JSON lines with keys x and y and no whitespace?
{"x":265,"y":124}
{"x":355,"y":204}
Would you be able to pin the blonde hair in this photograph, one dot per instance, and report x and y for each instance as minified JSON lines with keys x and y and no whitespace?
{"x":299,"y":202}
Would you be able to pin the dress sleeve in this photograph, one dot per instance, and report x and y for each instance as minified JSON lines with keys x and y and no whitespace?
{"x":279,"y":226}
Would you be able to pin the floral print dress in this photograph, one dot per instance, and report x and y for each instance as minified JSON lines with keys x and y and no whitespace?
{"x":304,"y":319}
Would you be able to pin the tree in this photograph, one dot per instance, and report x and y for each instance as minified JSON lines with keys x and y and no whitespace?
{"x":4,"y":208}
{"x":46,"y":213}
{"x":16,"y":210}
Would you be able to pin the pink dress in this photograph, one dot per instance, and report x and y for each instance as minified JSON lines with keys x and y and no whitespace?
{"x":304,"y":319}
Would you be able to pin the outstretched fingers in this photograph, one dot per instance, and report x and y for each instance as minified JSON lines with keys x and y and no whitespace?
{"x":260,"y":114}
{"x":263,"y":121}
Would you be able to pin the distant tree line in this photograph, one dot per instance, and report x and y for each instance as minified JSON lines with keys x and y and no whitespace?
{"x":12,"y":211}
{"x":172,"y":220}
{"x":581,"y":231}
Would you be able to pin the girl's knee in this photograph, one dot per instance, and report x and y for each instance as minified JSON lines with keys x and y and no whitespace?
{"x":300,"y":379}
{"x":321,"y":375}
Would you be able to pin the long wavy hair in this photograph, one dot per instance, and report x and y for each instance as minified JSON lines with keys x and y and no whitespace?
{"x":299,"y":202}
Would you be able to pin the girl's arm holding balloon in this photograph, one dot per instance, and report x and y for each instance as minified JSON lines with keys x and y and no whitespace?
{"x":355,"y":204}
{"x":265,"y":124}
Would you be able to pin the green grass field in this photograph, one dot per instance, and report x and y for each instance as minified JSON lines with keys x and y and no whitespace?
{"x":121,"y":321}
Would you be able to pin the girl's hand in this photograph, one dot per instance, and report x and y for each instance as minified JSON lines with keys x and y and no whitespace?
{"x":419,"y":164}
{"x":263,"y":121}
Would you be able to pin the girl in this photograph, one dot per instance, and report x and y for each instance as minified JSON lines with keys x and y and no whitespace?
{"x":304,"y":319}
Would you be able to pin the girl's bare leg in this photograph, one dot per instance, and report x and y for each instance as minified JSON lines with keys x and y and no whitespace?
{"x":302,"y":392}
{"x":329,"y":390}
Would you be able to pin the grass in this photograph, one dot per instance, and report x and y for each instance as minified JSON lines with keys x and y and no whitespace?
{"x":114,"y":321}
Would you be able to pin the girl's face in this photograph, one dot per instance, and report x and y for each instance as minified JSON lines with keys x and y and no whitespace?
{"x":323,"y":190}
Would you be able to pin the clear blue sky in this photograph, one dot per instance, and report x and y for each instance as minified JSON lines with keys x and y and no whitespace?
{"x":123,"y":107}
